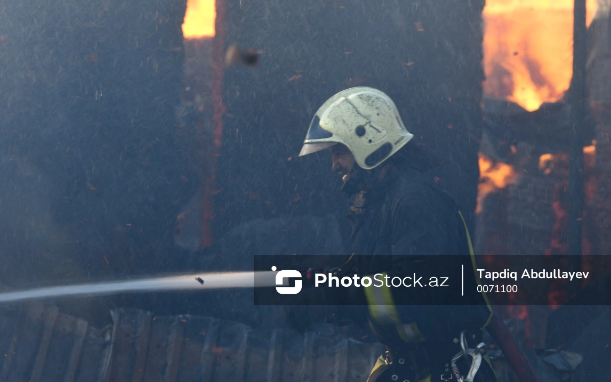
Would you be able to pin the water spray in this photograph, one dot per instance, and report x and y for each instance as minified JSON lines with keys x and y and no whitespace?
{"x":220,"y":280}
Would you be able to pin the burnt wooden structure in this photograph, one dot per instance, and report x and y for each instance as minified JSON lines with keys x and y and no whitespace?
{"x":530,"y":216}
{"x":94,"y":171}
{"x":599,"y":90}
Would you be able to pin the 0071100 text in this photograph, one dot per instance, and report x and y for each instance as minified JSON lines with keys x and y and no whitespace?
{"x":494,"y":288}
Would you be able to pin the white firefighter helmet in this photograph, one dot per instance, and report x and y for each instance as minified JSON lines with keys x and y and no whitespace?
{"x":363,"y":119}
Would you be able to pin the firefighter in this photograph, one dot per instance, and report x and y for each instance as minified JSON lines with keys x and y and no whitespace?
{"x":398,"y":215}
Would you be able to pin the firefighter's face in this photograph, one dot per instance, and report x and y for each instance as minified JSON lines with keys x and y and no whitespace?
{"x":342,"y":161}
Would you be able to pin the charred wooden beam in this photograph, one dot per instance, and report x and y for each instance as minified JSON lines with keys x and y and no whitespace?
{"x":578,"y":96}
{"x":548,"y":129}
{"x":599,"y":73}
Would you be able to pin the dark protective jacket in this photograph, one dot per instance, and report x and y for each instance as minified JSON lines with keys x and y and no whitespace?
{"x":401,"y":226}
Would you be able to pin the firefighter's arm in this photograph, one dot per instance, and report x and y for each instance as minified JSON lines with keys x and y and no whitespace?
{"x":411,"y":244}
{"x":329,"y":293}
{"x":416,"y":239}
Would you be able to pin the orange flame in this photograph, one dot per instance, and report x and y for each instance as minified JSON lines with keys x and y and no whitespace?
{"x":547,"y":161}
{"x":528,"y":49}
{"x":199,"y":19}
{"x":589,"y":163}
{"x":493,"y":176}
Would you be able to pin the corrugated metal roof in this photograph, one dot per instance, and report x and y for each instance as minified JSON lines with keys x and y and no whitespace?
{"x":40,"y":344}
{"x":45,"y":345}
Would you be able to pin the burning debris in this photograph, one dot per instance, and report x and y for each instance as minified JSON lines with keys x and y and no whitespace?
{"x":494,"y":175}
{"x":529,"y":62}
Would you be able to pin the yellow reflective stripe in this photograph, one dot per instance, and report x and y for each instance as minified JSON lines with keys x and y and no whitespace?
{"x":414,"y":332}
{"x":381,"y":304}
{"x":402,"y":333}
{"x":473,"y":263}
{"x":377,"y":309}
{"x":383,"y":310}
{"x":427,"y":379}
{"x":410,"y":333}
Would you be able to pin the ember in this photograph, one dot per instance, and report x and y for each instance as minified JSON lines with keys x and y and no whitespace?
{"x":547,"y":161}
